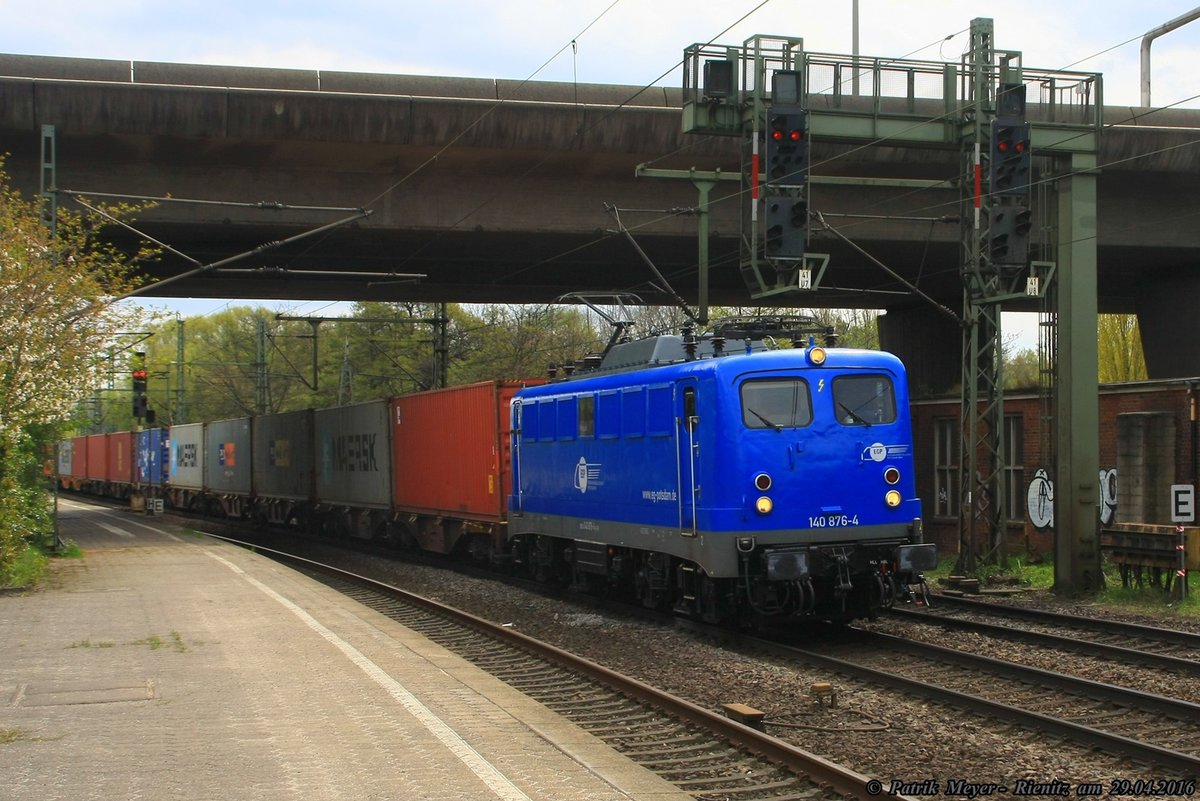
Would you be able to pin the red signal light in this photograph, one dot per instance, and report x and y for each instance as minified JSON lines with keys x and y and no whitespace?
{"x":777,"y":135}
{"x":1002,"y":147}
{"x":795,"y":136}
{"x":139,"y":375}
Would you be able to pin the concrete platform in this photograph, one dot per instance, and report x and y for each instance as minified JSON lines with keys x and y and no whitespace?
{"x":164,"y":665}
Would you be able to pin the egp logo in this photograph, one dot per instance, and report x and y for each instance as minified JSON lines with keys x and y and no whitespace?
{"x":878,"y":452}
{"x":586,"y":475}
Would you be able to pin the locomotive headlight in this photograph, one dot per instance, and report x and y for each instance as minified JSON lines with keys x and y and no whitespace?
{"x":892,"y":499}
{"x":764,"y":505}
{"x":762,"y":482}
{"x":891,"y":475}
{"x":816,"y":355}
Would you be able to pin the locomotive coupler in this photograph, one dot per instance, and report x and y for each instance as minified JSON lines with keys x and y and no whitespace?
{"x":845,"y":585}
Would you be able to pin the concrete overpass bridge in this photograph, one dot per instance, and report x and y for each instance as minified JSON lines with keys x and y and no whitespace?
{"x":496,"y":191}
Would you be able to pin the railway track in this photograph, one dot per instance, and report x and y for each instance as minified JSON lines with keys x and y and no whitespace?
{"x":1159,"y":732}
{"x":1160,"y":735}
{"x":1179,"y":647}
{"x":705,"y":754}
{"x":1166,"y":653}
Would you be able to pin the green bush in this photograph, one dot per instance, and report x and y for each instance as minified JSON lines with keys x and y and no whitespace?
{"x":26,"y":569}
{"x":26,"y":512}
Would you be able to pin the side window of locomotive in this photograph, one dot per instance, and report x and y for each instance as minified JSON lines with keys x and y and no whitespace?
{"x":660,"y":418}
{"x":864,"y":400}
{"x":633,"y":412}
{"x":568,"y":418}
{"x":776,"y":403}
{"x":545,"y":420}
{"x":587,"y":415}
{"x":608,"y":415}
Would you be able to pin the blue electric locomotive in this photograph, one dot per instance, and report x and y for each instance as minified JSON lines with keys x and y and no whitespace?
{"x":758,"y":484}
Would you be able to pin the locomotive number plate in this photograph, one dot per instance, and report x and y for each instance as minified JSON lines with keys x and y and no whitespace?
{"x":832,"y":521}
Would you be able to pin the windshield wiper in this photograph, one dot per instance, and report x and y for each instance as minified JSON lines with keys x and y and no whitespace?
{"x":769,"y":424}
{"x":853,"y":415}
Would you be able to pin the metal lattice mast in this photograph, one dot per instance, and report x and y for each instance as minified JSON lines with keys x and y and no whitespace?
{"x":981,"y":462}
{"x":180,"y":393}
{"x":346,"y":377}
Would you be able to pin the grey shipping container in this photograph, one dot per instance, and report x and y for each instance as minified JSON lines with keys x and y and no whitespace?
{"x":352,"y":455}
{"x":227,"y":459}
{"x":187,"y":456}
{"x":65,"y":451}
{"x":283,"y":455}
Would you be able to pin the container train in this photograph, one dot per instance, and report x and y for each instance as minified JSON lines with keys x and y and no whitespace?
{"x":736,"y":486}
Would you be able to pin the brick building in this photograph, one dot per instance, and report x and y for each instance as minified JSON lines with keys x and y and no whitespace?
{"x":1148,"y":441}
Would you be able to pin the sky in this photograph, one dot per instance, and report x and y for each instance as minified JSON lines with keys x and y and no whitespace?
{"x":637,"y":42}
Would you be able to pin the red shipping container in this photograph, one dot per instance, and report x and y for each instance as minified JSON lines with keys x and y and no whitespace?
{"x":97,"y":458}
{"x":451,"y":453}
{"x":79,"y":459}
{"x":120,"y":457}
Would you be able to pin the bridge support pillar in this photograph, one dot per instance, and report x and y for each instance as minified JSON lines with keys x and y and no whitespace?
{"x":1077,"y":403}
{"x":1170,"y":331}
{"x":927,"y":341}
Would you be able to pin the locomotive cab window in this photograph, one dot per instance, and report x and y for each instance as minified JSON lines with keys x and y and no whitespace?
{"x":864,"y":400}
{"x":587,"y":415}
{"x":776,"y":403}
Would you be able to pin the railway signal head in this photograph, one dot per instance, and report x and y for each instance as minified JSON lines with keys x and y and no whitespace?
{"x":787,"y":149}
{"x":1008,"y":233}
{"x":787,"y":226}
{"x":1011,"y":158}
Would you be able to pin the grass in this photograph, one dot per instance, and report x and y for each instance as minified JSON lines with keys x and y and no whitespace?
{"x":26,"y":569}
{"x":31,"y":564}
{"x":154,"y":642}
{"x":70,"y":550}
{"x":12,"y":735}
{"x":175,"y":641}
{"x":1039,"y":576}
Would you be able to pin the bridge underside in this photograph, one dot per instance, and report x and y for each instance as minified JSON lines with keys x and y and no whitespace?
{"x":505,"y":202}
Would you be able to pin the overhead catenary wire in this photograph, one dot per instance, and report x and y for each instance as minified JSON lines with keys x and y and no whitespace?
{"x":947,"y":183}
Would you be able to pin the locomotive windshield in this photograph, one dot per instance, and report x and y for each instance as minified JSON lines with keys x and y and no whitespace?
{"x":864,"y":400}
{"x":776,"y":403}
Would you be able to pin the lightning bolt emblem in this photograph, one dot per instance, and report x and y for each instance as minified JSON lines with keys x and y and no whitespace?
{"x":820,"y":385}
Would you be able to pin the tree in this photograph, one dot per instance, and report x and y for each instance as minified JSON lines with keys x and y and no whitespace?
{"x":57,"y":317}
{"x":523,"y":341}
{"x":1021,"y":369}
{"x":1120,"y":349}
{"x":57,"y":311}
